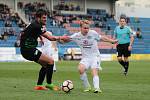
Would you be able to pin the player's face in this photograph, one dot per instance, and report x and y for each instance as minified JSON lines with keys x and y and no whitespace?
{"x":44,"y":19}
{"x":122,"y":22}
{"x":85,"y":29}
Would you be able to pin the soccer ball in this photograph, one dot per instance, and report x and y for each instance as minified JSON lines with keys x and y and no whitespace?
{"x":67,"y":86}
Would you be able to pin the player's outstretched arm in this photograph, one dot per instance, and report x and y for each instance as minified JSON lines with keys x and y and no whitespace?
{"x":50,"y":37}
{"x":106,"y":39}
{"x":64,"y":39}
{"x":55,"y":38}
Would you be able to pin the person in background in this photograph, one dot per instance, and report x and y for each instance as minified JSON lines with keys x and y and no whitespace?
{"x":138,"y":33}
{"x":48,"y":48}
{"x":125,"y":38}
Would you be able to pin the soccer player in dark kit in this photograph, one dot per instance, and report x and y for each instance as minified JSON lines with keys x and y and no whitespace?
{"x":29,"y":51}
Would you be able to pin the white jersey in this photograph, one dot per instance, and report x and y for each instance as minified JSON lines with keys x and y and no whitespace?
{"x":48,"y":49}
{"x":47,"y":43}
{"x":88,"y":44}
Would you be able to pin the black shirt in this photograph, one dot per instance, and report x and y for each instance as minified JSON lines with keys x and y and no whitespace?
{"x":31,"y":34}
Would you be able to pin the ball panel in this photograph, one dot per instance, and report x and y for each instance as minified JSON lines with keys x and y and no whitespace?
{"x":70,"y":86}
{"x":65,"y":89}
{"x":67,"y":85}
{"x":69,"y":81}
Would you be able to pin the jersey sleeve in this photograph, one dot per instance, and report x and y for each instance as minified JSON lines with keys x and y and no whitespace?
{"x":97,"y":36}
{"x":115,"y":31}
{"x":130,"y":31}
{"x":74,"y":37}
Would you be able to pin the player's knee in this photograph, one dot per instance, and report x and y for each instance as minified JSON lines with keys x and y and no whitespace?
{"x":119,"y":58}
{"x":81,"y":70}
{"x":126,"y":59}
{"x":94,"y":72}
{"x":51,"y":62}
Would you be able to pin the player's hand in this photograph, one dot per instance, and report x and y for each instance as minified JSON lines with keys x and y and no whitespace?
{"x":61,"y":41}
{"x":115,"y":41}
{"x":129,"y":47}
{"x":65,"y":38}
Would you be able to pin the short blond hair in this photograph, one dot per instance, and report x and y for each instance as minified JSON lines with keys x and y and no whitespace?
{"x":82,"y":22}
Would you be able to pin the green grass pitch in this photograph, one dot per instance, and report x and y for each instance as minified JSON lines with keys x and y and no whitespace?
{"x":17,"y":80}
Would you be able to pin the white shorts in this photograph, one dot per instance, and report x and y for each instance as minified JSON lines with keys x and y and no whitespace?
{"x":47,"y":51}
{"x":90,"y":63}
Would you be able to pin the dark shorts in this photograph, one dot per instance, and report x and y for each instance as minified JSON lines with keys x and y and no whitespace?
{"x":122,"y":50}
{"x":31,"y":54}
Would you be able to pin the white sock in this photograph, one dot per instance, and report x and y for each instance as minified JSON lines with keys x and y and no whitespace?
{"x":54,"y":67}
{"x":96,"y":81}
{"x":84,"y":79}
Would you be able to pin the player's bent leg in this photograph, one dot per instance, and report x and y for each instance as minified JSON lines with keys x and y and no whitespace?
{"x":48,"y":63}
{"x":81,"y":68}
{"x":84,"y":78}
{"x":44,"y":60}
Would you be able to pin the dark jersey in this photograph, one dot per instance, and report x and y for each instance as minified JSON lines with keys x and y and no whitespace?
{"x":31,"y":34}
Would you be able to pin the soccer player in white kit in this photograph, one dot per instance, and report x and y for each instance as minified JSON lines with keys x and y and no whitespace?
{"x":87,"y":40}
{"x":48,"y":48}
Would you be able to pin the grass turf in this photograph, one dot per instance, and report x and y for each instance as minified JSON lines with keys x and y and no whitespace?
{"x":17,"y":80}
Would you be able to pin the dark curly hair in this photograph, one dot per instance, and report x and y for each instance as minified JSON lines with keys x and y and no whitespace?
{"x":41,"y":12}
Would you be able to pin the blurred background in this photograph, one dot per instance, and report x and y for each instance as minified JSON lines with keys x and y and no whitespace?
{"x":64,"y":17}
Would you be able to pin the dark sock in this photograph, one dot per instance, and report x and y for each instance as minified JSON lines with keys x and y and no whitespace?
{"x":49,"y":73}
{"x":122,"y":63}
{"x":41,"y":77}
{"x":126,"y":65}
